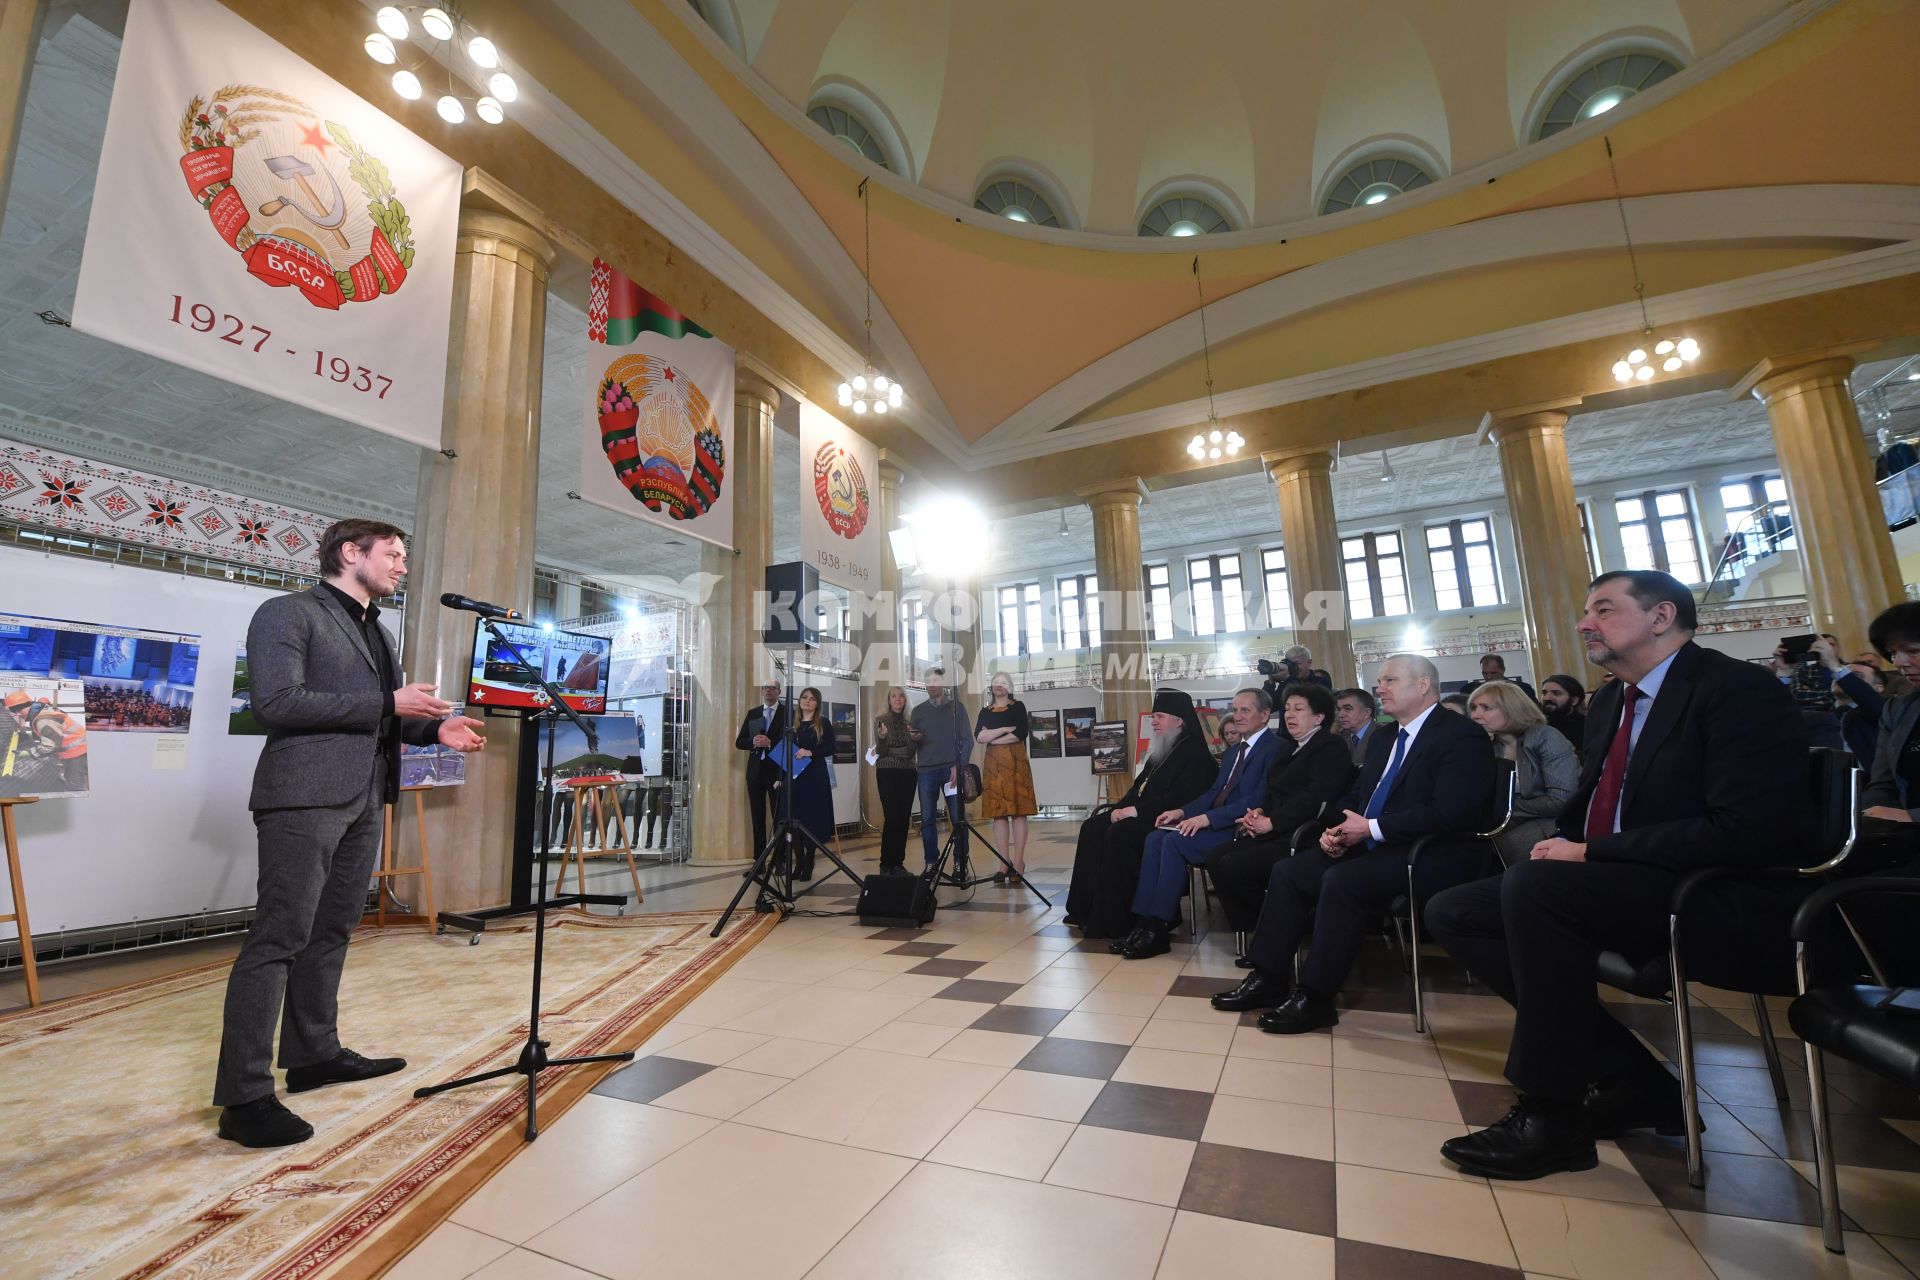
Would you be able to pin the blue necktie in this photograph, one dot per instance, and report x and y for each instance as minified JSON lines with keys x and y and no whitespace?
{"x":1379,"y":798}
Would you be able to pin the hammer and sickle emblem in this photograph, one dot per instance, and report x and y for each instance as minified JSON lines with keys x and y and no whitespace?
{"x":324,"y":214}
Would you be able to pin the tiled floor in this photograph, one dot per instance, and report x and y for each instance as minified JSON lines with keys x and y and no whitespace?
{"x":988,"y":1097}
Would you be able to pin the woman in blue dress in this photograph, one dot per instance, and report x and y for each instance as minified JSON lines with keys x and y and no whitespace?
{"x":812,"y":789}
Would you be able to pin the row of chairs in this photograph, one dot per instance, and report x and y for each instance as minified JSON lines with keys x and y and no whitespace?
{"x":1858,"y":1022}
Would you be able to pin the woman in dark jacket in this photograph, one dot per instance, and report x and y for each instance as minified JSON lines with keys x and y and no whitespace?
{"x":1106,"y":865}
{"x":812,"y":789}
{"x":895,"y":746}
{"x":1318,"y":769}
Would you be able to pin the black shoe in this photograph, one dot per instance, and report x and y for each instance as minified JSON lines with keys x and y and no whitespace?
{"x":1256,"y":991}
{"x":1616,"y":1106}
{"x":344,"y":1069}
{"x":999,"y":877}
{"x":897,"y":869}
{"x":1152,"y":943}
{"x":264,"y":1122}
{"x":803,"y":872}
{"x":1302,"y":1011}
{"x":1137,"y":934}
{"x":1529,"y":1142}
{"x":1241,"y":962}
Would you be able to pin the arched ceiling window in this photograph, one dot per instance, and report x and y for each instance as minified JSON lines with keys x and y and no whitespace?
{"x":1375,"y":180}
{"x":1183,"y":216}
{"x":1018,"y":201}
{"x":850,"y":129}
{"x":1599,"y":86}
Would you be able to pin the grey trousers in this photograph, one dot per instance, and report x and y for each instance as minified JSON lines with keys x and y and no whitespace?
{"x":315,"y":865}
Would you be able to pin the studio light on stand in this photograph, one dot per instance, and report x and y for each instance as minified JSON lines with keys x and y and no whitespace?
{"x":1654,"y":354}
{"x":869,"y":392}
{"x":1214,"y":443}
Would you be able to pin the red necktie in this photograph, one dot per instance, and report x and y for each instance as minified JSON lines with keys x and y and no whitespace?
{"x":1233,"y":775}
{"x":1606,"y":795}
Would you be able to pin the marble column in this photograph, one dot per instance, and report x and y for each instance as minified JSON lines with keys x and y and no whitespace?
{"x":20,"y":22}
{"x":728,"y":661}
{"x":1846,"y":553}
{"x":1546,"y":538}
{"x":878,"y":635}
{"x":1126,"y":678}
{"x":1303,"y":486}
{"x":473,"y":530}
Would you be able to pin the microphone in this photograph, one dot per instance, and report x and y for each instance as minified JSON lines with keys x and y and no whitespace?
{"x":454,"y":600}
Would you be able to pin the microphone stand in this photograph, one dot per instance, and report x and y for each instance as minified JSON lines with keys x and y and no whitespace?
{"x":533,"y":1054}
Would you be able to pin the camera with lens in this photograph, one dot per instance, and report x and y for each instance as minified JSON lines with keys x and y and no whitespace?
{"x":1268,"y":667}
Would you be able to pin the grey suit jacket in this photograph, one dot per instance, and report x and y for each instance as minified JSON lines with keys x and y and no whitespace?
{"x":1899,"y":720}
{"x":316,"y":687}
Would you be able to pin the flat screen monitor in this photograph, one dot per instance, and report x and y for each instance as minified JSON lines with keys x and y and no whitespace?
{"x":578,"y":663}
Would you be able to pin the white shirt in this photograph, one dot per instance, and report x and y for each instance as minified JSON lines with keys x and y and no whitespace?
{"x":1649,"y":686}
{"x":1412,"y":730}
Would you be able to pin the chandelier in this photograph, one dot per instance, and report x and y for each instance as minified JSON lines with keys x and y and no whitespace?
{"x":1655,"y":353}
{"x":1213,"y":443}
{"x":442,"y":24}
{"x":867,"y":391}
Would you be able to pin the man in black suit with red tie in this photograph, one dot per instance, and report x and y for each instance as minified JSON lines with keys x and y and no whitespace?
{"x":1693,"y":759}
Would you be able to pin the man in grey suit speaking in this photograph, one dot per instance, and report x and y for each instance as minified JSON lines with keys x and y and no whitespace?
{"x":326,"y":686}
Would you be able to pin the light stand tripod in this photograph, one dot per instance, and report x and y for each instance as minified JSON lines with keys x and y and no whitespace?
{"x":772,"y":868}
{"x":958,"y":877}
{"x":533,"y":1054}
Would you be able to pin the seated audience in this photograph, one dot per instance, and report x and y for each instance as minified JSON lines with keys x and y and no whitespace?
{"x":1354,"y":711}
{"x":1494,"y":667}
{"x":1312,"y":770}
{"x":1454,"y":702}
{"x":1860,"y":695}
{"x":1564,"y":699}
{"x":1694,"y":759}
{"x":1435,"y":775}
{"x":1184,"y":836}
{"x":1106,"y":863}
{"x":1545,"y":772}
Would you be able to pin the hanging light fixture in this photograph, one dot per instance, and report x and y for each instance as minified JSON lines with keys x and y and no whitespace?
{"x":867,"y":391}
{"x":441,"y":24}
{"x":1386,"y":467}
{"x":1214,"y":443}
{"x":1064,"y":531}
{"x":1655,"y":353}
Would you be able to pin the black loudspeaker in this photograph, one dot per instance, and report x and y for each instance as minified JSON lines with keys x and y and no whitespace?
{"x":899,"y":902}
{"x":790,"y":608}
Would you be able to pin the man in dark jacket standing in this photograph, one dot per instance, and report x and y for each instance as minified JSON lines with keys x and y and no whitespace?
{"x":760,"y":731}
{"x":1694,"y":759}
{"x":327,"y":688}
{"x":945,"y":734}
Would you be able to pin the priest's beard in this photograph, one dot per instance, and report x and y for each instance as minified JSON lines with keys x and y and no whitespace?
{"x":1161,"y":746}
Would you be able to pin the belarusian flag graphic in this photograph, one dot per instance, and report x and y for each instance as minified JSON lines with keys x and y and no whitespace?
{"x":619,"y":311}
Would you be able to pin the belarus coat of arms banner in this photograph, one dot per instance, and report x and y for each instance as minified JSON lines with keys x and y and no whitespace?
{"x":659,"y":436}
{"x":254,"y":220}
{"x":839,"y":501}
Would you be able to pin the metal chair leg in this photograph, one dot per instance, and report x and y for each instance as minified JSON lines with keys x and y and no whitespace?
{"x":1413,"y":952}
{"x":1239,"y":942}
{"x":1683,"y":1033}
{"x":1400,"y":942}
{"x":1826,"y":1176}
{"x":1771,"y":1047}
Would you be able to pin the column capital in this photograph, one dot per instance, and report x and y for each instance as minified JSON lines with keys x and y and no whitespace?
{"x":1131,"y":491}
{"x":891,"y":472}
{"x":1281,"y":463}
{"x":1801,"y":369}
{"x":1512,"y":425}
{"x":748,"y":385}
{"x":499,"y":235}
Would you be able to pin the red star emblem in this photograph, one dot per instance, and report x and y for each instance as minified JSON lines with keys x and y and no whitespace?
{"x":313,"y":135}
{"x":672,"y":373}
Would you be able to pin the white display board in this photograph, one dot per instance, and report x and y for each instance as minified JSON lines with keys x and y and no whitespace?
{"x":161,"y":833}
{"x":254,"y":220}
{"x":839,"y":532}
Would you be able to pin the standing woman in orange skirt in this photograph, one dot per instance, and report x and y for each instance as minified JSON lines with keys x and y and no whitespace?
{"x":1006,"y":779}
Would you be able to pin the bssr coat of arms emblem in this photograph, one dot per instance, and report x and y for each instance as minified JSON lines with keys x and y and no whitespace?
{"x":301,"y":202}
{"x":841,"y":490}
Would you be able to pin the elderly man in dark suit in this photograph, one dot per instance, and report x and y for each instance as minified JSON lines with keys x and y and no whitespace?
{"x":1693,"y":759}
{"x":761,"y":730}
{"x":327,"y":688}
{"x":1433,"y":776}
{"x":1183,"y":837}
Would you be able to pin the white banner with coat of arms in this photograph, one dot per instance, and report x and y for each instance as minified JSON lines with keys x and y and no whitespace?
{"x":659,"y":412}
{"x":839,"y":501}
{"x":254,"y":220}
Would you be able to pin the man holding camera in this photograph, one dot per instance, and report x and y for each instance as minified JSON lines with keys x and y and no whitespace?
{"x":1296,"y":667}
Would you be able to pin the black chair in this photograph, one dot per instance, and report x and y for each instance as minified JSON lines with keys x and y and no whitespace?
{"x":1404,"y":911}
{"x":1853,"y":1022}
{"x":1829,"y":831}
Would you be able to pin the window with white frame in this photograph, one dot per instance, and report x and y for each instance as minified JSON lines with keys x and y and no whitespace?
{"x":1079,"y":611}
{"x":1158,"y":580}
{"x":1219,"y":603}
{"x":1656,"y":532}
{"x":1021,"y":617}
{"x":1374,"y":568}
{"x":1461,"y":555}
{"x":1273,"y":565}
{"x":1759,"y":519}
{"x":916,"y":630}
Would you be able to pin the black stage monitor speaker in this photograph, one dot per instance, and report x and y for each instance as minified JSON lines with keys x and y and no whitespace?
{"x":790,"y":612}
{"x":900,"y":902}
